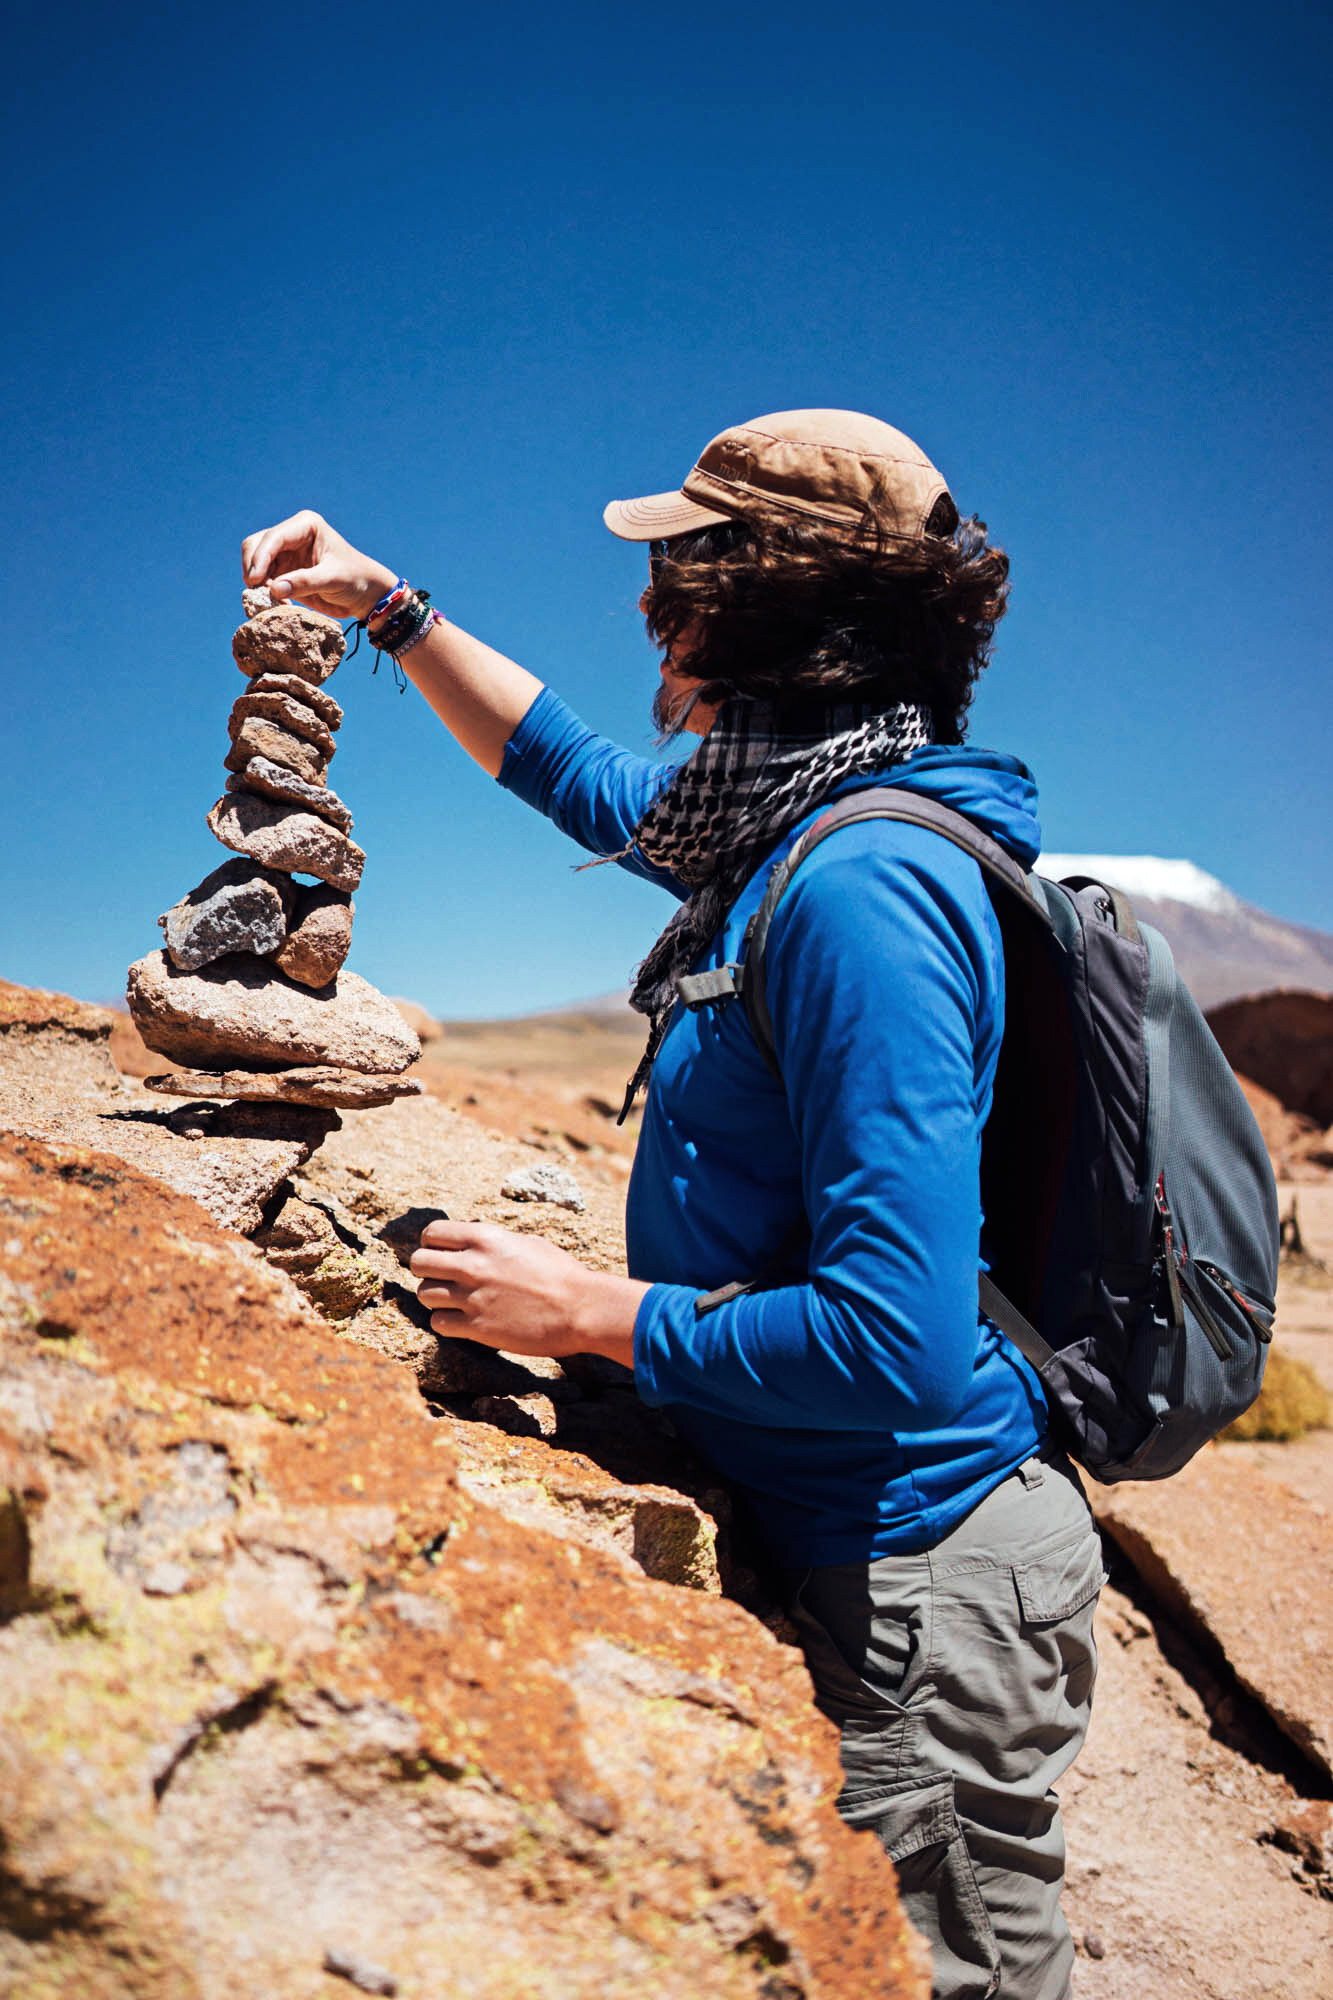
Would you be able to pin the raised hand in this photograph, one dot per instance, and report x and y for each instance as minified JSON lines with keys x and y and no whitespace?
{"x":304,"y":557}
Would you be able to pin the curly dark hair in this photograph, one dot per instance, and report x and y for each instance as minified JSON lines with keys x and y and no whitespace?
{"x":778,"y":610}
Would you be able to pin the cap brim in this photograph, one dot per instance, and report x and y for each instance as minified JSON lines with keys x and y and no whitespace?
{"x":658,"y":517}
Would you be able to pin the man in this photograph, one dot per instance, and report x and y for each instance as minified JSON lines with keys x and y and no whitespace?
{"x":823,"y":615}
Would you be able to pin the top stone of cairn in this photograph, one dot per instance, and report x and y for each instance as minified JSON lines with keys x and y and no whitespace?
{"x":286,"y":639}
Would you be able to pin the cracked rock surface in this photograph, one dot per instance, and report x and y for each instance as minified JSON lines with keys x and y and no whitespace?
{"x":287,"y":1689}
{"x":212,"y":1696}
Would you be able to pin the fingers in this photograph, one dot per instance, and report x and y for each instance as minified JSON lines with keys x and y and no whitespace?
{"x":303,"y":583}
{"x":451,"y":1326}
{"x":438,"y":1296}
{"x":459,"y":1236}
{"x":446,"y":1265}
{"x":296,"y":536}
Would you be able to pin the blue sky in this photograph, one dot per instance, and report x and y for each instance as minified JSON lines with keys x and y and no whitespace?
{"x":457,"y":277}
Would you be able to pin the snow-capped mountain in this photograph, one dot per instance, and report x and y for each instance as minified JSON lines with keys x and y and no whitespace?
{"x":1224,"y":947}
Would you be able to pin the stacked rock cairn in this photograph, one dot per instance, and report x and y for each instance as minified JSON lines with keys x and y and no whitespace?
{"x":250,"y":993}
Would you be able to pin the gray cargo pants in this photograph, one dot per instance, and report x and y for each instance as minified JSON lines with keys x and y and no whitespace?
{"x":961,"y":1679}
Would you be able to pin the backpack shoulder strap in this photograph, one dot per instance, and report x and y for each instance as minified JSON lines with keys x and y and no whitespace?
{"x":877,"y":802}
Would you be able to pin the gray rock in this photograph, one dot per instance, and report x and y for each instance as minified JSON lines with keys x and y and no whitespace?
{"x":257,"y":600}
{"x":289,"y":639}
{"x":240,"y":1010}
{"x":282,"y":836}
{"x":319,"y":936}
{"x":239,"y":907}
{"x":545,"y":1182}
{"x":276,"y":705}
{"x":315,"y":1083}
{"x":317,"y":698}
{"x":258,"y":736}
{"x":271,"y":781}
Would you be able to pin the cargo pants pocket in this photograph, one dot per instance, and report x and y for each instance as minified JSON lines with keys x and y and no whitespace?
{"x":918,"y":1827}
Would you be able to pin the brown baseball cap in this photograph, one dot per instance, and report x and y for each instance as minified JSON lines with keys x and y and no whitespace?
{"x":835,"y":468}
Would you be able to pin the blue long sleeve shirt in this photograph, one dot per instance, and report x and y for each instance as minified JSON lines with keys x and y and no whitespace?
{"x":864,"y":1405}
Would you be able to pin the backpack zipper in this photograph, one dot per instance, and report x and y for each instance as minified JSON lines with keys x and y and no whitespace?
{"x":1259,"y":1320}
{"x":1217,"y":1340}
{"x":1178,"y":1278}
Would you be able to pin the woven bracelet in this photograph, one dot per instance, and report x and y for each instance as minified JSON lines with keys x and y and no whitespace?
{"x":403,"y":621}
{"x":431,"y":618}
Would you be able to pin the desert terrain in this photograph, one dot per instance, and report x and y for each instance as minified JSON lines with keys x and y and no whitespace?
{"x":1197,"y":1818}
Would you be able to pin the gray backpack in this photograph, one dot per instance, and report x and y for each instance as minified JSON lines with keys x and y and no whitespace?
{"x":1131,"y":1214}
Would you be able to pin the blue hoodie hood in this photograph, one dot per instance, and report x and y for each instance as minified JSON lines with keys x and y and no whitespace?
{"x":993,"y":789}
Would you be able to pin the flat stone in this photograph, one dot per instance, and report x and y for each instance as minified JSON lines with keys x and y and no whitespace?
{"x":282,"y":836}
{"x":271,"y":781}
{"x":1251,"y":1563}
{"x":289,"y":639}
{"x":274,"y":705}
{"x":317,"y":1084}
{"x":239,"y":907}
{"x":240,"y":1010}
{"x":317,"y":698}
{"x":319,"y":936}
{"x":257,"y":736}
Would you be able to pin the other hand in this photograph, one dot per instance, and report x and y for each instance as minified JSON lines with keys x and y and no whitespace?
{"x":522,"y":1294}
{"x":304,"y":557}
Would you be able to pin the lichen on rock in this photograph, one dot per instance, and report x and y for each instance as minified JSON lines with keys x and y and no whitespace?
{"x":281,"y":1693}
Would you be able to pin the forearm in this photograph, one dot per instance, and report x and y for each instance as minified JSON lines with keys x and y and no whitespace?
{"x":478,"y":694}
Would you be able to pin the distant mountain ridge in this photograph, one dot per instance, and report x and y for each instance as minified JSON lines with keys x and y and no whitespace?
{"x":1224,"y":948}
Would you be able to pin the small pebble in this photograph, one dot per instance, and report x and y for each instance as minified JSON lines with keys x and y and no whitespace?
{"x":361,"y":1972}
{"x":1093,"y":1945}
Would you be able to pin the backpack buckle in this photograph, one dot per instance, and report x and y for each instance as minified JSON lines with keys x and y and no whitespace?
{"x":709,"y":989}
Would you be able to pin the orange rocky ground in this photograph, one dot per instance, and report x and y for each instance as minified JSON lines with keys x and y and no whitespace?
{"x":583,"y":1853}
{"x":333,"y":1653}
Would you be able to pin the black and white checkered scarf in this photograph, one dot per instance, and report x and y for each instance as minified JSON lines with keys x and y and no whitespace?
{"x":756,"y":773}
